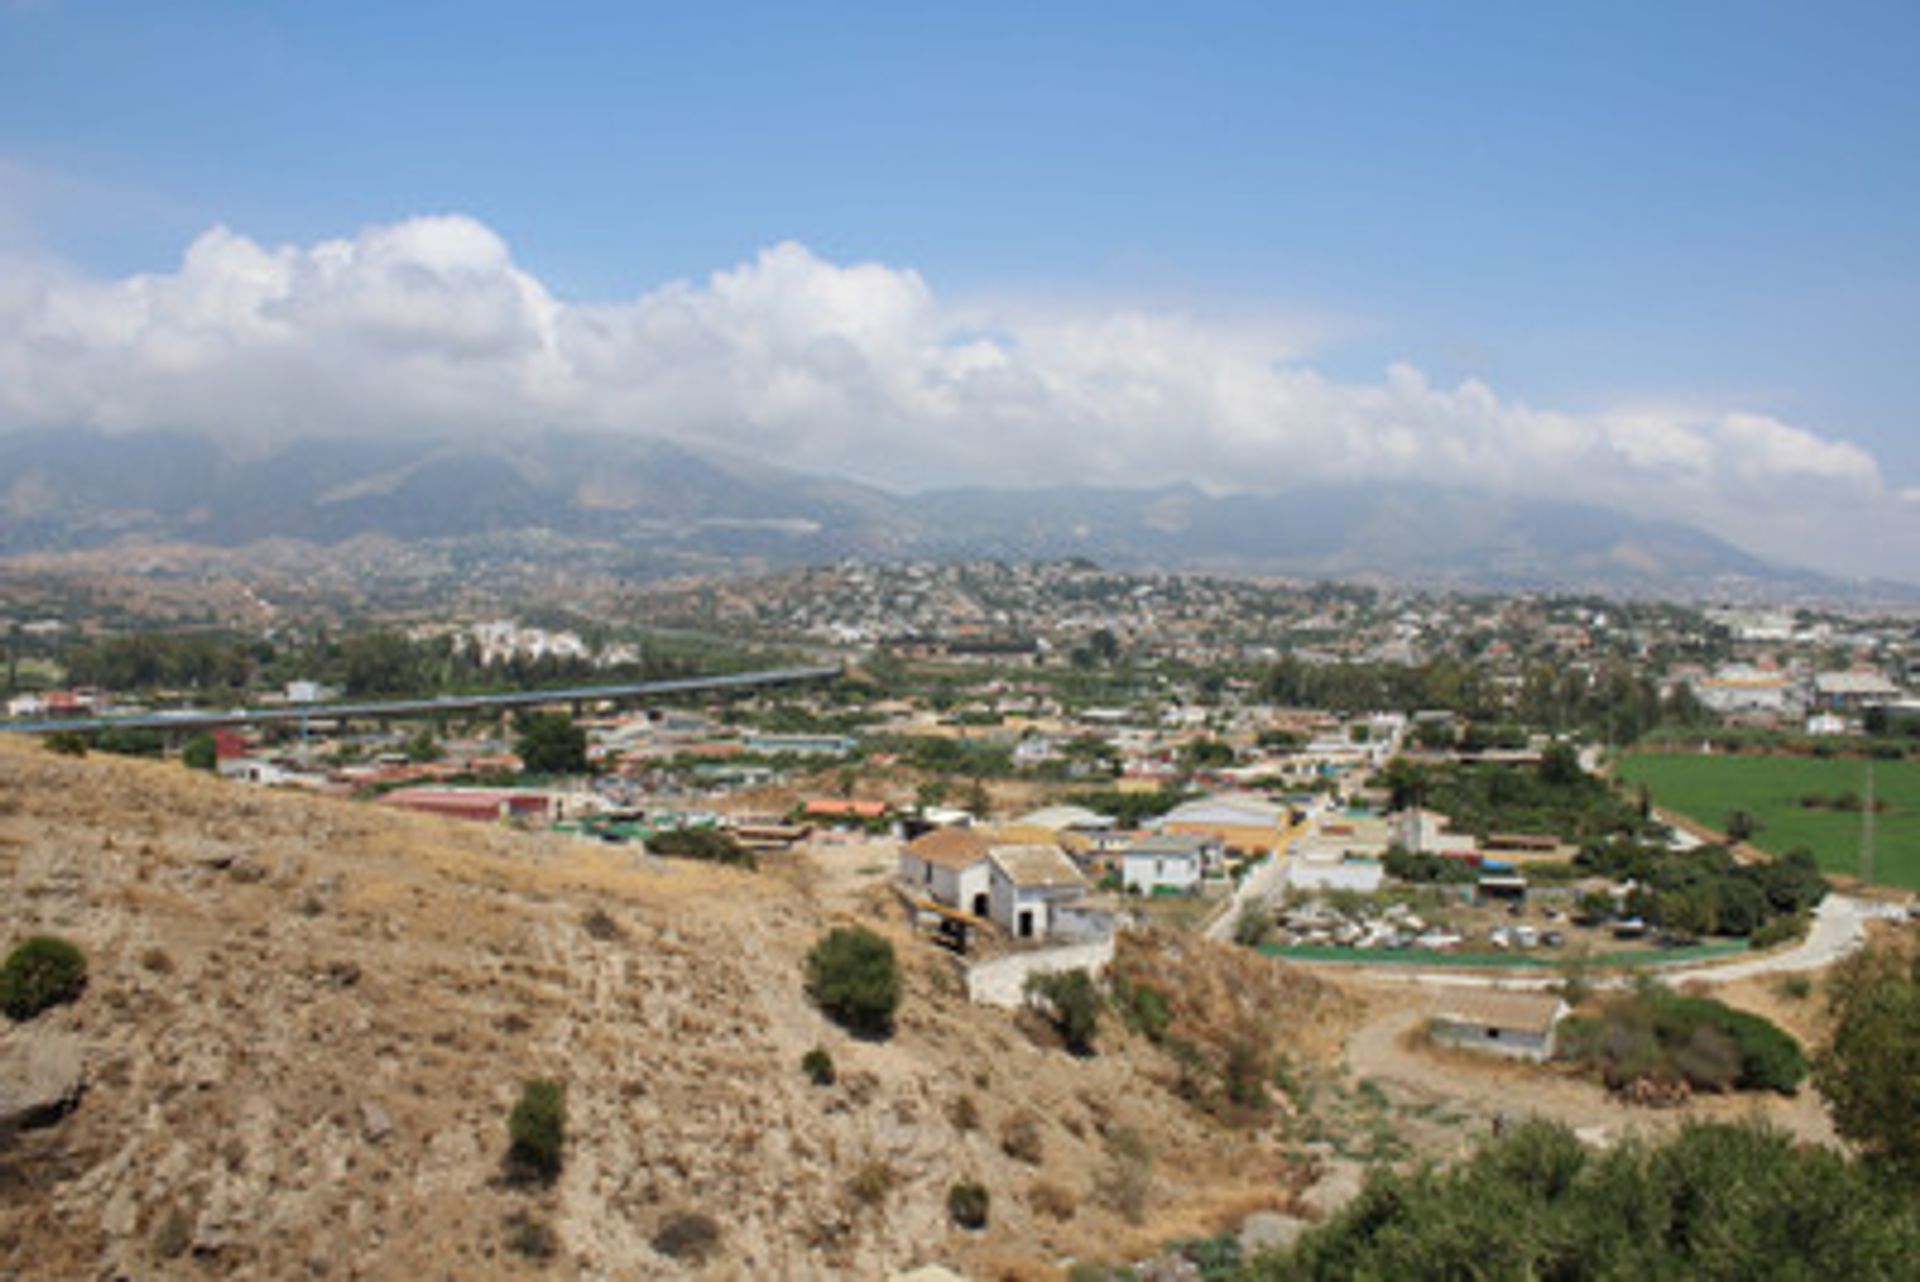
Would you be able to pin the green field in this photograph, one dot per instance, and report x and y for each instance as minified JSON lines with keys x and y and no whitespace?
{"x":1705,"y":789}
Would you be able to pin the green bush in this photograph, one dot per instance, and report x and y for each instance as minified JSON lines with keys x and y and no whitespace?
{"x":852,"y":976}
{"x":1781,"y":930}
{"x":537,"y":1130}
{"x":1658,"y":1035}
{"x":968,"y":1203}
{"x":130,"y":743}
{"x":1073,"y":1004}
{"x":42,"y":972}
{"x":1145,"y":1009}
{"x":710,"y":845}
{"x":67,"y":743}
{"x":201,"y":753}
{"x":818,"y":1066}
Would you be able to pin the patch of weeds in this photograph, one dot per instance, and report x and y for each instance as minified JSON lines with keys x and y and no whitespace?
{"x":602,"y":927}
{"x":1021,"y":1140}
{"x":872,"y":1182}
{"x":1125,"y":1178}
{"x":1052,"y":1201}
{"x":529,"y":1237}
{"x":689,"y":1237}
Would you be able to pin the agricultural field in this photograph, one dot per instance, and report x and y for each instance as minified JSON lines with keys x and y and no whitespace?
{"x":1774,"y":790}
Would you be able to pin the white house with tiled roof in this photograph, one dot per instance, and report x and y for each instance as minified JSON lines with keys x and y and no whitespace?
{"x":950,"y":867}
{"x":1028,"y":886}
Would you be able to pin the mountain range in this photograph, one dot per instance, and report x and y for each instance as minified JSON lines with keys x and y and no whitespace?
{"x":77,"y":489}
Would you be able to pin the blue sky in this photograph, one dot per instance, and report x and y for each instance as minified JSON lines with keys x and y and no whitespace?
{"x":1701,"y":207}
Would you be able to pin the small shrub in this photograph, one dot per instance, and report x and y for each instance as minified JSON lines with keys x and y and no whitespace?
{"x":67,"y":743}
{"x":1145,"y":1010}
{"x":872,"y":1182}
{"x":1126,"y":1178}
{"x":537,"y":1130}
{"x":853,"y":977}
{"x":157,"y":960}
{"x":1072,"y":1003}
{"x":967,"y":1203}
{"x":530,"y":1237}
{"x":689,"y":1237}
{"x":1796,"y":987}
{"x":964,"y":1113}
{"x":817,"y":1064}
{"x":1052,"y":1201}
{"x":1244,"y":1074}
{"x":602,"y":927}
{"x":1021,"y":1139}
{"x":1253,"y":926}
{"x":43,"y":972}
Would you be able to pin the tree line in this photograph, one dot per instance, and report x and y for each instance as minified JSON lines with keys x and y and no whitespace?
{"x":359,"y":664}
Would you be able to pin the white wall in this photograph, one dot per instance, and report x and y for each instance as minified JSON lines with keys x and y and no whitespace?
{"x":953,"y":887}
{"x":1365,"y":878}
{"x":1003,"y":981}
{"x":1508,"y":1042}
{"x":1145,"y":872}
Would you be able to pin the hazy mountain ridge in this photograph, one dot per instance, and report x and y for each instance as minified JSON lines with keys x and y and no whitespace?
{"x":80,"y":489}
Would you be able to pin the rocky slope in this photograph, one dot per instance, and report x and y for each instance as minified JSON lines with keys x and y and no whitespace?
{"x":307,"y":1020}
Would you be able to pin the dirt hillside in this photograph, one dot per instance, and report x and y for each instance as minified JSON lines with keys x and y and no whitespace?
{"x":308,"y":1019}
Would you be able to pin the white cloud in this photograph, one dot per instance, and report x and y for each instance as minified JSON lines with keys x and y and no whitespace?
{"x":429,"y":324}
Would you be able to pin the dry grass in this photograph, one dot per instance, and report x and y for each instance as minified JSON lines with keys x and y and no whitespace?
{"x":444,"y":964}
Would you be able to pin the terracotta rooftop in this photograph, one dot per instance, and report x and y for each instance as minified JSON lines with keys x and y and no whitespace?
{"x":950,"y":847}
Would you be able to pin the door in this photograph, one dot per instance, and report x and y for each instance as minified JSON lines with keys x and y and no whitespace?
{"x":1026,"y":923}
{"x":980,"y":907}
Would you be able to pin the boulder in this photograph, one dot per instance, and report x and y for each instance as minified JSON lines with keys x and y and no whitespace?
{"x":375,"y":1122}
{"x":1338,"y":1186}
{"x":42,"y":1075}
{"x":1269,"y":1231}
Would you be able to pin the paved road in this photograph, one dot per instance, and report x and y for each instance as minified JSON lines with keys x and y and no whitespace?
{"x":1264,"y":880}
{"x":1839,"y":928}
{"x":626,"y":691}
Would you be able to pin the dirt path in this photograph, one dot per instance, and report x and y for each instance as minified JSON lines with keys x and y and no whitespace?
{"x":1385,"y":1051}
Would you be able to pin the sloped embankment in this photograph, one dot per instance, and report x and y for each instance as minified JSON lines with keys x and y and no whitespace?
{"x":307,"y":1020}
